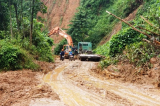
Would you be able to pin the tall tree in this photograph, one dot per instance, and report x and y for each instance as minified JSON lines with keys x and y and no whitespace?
{"x":31,"y":21}
{"x":4,"y":15}
{"x":10,"y":18}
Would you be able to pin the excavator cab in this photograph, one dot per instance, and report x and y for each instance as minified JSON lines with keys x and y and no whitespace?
{"x":67,"y":48}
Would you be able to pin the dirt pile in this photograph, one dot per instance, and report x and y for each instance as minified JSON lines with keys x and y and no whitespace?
{"x":18,"y":88}
{"x":45,"y":67}
{"x":127,"y":72}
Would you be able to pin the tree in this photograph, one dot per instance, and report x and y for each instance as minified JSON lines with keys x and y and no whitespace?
{"x":4,"y":15}
{"x":31,"y":23}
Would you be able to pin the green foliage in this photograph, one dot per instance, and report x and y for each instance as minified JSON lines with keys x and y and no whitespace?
{"x":151,"y":12}
{"x":13,"y":57}
{"x":111,"y":60}
{"x":3,"y":35}
{"x":123,"y":38}
{"x":103,"y":50}
{"x":118,"y":42}
{"x":4,"y":16}
{"x":59,"y":47}
{"x":41,"y":44}
{"x":18,"y":13}
{"x":91,"y":21}
{"x":129,"y":42}
{"x":139,"y":53}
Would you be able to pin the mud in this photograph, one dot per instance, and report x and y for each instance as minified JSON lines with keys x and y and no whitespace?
{"x":78,"y":85}
{"x":18,"y":88}
{"x":126,"y":72}
{"x":74,"y":83}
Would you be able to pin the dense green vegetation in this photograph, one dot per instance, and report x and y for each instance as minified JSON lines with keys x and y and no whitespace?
{"x":119,"y":41}
{"x":128,"y":40}
{"x":21,"y":38}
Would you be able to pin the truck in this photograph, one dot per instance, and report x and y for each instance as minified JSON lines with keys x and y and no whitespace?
{"x":85,"y":52}
{"x":84,"y":49}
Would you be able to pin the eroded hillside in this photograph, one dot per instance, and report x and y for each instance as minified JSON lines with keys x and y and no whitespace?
{"x":59,"y":13}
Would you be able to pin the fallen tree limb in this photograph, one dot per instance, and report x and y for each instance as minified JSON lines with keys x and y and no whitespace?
{"x":149,"y":23}
{"x":146,"y":40}
{"x":129,"y":25}
{"x":149,"y":36}
{"x":148,"y":30}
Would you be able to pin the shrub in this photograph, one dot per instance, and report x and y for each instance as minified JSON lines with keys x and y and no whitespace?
{"x":103,"y":49}
{"x":139,"y":53}
{"x":123,"y":38}
{"x":13,"y":57}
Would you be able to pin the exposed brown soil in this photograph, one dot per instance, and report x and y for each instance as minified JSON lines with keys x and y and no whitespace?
{"x":18,"y":88}
{"x":59,"y":13}
{"x":45,"y":67}
{"x":127,"y":72}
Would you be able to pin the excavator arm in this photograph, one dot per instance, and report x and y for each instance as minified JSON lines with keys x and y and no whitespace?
{"x":59,"y":31}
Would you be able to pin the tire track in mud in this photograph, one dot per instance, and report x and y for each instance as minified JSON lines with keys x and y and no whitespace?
{"x":69,"y":93}
{"x":76,"y":87}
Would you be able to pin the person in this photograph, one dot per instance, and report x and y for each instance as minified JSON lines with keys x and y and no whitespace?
{"x":75,"y":52}
{"x":61,"y":54}
{"x":71,"y":56}
{"x":70,"y":52}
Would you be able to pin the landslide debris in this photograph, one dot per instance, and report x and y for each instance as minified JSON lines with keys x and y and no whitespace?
{"x":18,"y":88}
{"x":127,"y":72}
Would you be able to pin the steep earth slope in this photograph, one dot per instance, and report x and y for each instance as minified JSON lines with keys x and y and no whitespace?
{"x":118,"y":27}
{"x":59,"y":13}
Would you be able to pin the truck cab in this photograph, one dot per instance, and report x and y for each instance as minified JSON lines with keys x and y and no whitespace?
{"x":84,"y":47}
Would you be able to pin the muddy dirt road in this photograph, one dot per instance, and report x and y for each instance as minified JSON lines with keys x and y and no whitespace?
{"x":76,"y":85}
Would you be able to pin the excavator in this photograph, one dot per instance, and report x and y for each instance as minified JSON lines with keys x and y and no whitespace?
{"x":84,"y":48}
{"x":68,"y":47}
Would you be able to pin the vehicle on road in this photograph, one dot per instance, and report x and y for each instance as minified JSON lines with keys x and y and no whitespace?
{"x":71,"y":57}
{"x":84,"y":48}
{"x":62,"y":58}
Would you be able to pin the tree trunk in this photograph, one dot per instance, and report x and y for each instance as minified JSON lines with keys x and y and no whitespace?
{"x":16,"y":10}
{"x":129,"y":24}
{"x":10,"y":19}
{"x":22,"y":18}
{"x":31,"y":23}
{"x":149,"y":23}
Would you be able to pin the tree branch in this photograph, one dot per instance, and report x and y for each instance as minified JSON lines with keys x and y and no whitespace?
{"x":149,"y":23}
{"x":148,"y":30}
{"x":129,"y":24}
